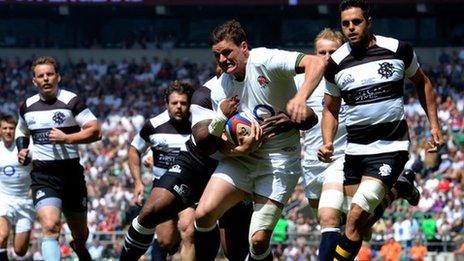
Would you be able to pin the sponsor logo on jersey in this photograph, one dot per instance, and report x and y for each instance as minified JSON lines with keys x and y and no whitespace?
{"x":59,"y":117}
{"x":386,"y":70}
{"x":385,"y":170}
{"x":31,"y":121}
{"x":262,"y":81}
{"x":347,"y":80}
{"x":175,"y":168}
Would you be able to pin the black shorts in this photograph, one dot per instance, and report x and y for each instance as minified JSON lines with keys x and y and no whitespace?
{"x":62,"y":179}
{"x":187,"y":178}
{"x":386,"y":167}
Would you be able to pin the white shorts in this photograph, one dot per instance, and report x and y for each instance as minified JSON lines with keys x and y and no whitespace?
{"x":274,"y":179}
{"x":20,"y":212}
{"x":317,"y":173}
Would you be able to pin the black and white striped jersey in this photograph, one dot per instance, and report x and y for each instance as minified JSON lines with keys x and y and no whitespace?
{"x":202,"y":109}
{"x":371,"y":84}
{"x":67,"y":112}
{"x":165,"y":137}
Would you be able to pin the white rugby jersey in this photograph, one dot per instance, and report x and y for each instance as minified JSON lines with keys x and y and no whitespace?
{"x":165,"y":137}
{"x":14,"y":177}
{"x":265,"y":91}
{"x":312,"y":138}
{"x":371,"y":84}
{"x":66,"y":112}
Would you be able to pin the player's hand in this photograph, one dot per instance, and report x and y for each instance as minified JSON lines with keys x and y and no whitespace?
{"x":249,"y":142}
{"x":229,"y":106}
{"x":57,"y":136}
{"x":296,"y":108}
{"x":24,"y":157}
{"x":138,"y":193}
{"x":437,"y":140}
{"x":276,"y":124}
{"x":325,"y":153}
{"x":148,"y":162}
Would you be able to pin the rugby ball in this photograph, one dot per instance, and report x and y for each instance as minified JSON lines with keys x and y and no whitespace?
{"x":238,"y":124}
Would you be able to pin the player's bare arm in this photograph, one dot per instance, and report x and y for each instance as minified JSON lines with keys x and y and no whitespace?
{"x":89,"y":132}
{"x":282,"y":123}
{"x":313,"y":67}
{"x":134,"y":167}
{"x":329,"y":127}
{"x":427,"y":98}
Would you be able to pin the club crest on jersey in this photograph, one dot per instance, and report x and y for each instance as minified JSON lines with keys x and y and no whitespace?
{"x":386,"y":70}
{"x":262,"y":81}
{"x":39,"y":194}
{"x":59,"y":117}
{"x":385,"y":170}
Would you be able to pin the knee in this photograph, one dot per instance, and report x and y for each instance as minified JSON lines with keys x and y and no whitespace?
{"x":329,"y":219}
{"x":204,"y":217}
{"x":166,"y":242}
{"x":50,"y":227}
{"x":260,"y":241}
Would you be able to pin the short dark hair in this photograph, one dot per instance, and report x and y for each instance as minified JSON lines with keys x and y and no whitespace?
{"x":347,"y":4}
{"x":180,"y":88}
{"x":230,"y":30}
{"x":9,"y":119}
{"x":45,"y":60}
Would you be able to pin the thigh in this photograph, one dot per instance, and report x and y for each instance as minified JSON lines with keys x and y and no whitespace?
{"x":313,"y":178}
{"x":25,"y":215}
{"x":75,"y":191}
{"x":5,"y":225}
{"x":46,"y":189}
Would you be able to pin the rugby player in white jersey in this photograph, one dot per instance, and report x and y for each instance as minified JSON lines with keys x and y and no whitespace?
{"x":57,"y":120}
{"x":165,"y":134}
{"x":261,"y":82}
{"x":368,"y":72}
{"x":16,"y":208}
{"x":323,"y":182}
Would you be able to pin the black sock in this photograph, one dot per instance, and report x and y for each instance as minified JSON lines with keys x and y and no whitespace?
{"x":206,"y":243}
{"x":329,"y":241}
{"x":347,"y":249}
{"x":157,"y":253}
{"x":136,"y":242}
{"x":4,"y":255}
{"x":84,"y":256}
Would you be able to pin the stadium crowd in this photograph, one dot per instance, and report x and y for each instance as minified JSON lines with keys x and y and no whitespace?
{"x":124,"y":94}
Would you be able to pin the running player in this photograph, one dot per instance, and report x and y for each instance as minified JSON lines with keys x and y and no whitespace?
{"x":165,"y":134}
{"x":369,"y":73}
{"x":57,"y":120}
{"x":261,"y":82}
{"x":16,"y":208}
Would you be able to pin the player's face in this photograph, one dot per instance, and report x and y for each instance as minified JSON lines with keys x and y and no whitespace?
{"x":46,"y":79}
{"x":178,"y":106}
{"x":354,"y":26}
{"x":230,"y":57}
{"x":7,"y":131}
{"x":326,"y":47}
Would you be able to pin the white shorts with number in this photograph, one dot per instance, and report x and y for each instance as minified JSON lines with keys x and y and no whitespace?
{"x":20,"y":212}
{"x":316,"y":173}
{"x":275,"y":178}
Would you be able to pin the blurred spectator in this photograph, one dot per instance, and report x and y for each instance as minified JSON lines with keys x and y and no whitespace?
{"x":391,"y":250}
{"x":418,"y":252}
{"x":365,"y":252}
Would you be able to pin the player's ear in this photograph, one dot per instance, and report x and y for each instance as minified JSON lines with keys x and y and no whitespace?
{"x":244,"y":46}
{"x":369,"y":22}
{"x":34,"y":81}
{"x":59,"y":77}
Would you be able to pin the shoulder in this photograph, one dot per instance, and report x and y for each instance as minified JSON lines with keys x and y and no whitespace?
{"x":66,"y":96}
{"x":340,"y":54}
{"x":159,"y":119}
{"x":388,"y":43}
{"x":31,"y":100}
